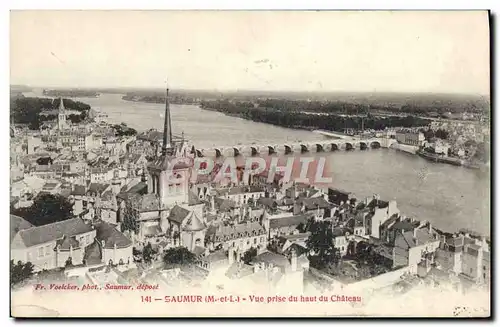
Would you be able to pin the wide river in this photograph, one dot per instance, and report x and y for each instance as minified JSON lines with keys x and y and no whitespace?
{"x":449,"y":197}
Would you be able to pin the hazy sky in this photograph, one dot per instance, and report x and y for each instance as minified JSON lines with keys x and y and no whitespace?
{"x":313,"y":51}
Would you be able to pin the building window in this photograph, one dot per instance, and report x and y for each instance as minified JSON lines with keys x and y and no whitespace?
{"x":87,"y":239}
{"x":40,"y":252}
{"x":255,"y":240}
{"x":47,"y":250}
{"x":262,"y":239}
{"x":471,"y":270}
{"x":484,"y":267}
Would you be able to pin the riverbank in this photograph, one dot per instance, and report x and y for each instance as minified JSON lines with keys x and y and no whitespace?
{"x":442,"y":159}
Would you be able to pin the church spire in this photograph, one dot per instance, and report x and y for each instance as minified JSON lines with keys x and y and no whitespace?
{"x":167,"y":148}
{"x":61,"y":105}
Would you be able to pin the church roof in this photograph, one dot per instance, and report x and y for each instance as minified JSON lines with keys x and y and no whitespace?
{"x":178,"y":214}
{"x":194,"y":224}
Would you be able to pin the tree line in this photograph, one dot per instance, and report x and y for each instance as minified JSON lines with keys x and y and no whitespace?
{"x":296,"y":119}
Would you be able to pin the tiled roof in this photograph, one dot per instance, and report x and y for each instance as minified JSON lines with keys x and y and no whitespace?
{"x":51,"y":232}
{"x":289,"y":221}
{"x":111,"y":236}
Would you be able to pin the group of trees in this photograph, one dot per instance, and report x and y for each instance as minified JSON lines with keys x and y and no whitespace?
{"x":20,"y":272}
{"x":321,"y":243}
{"x":430,"y":134}
{"x":26,"y":110}
{"x":70,"y":93}
{"x":296,"y":119}
{"x":46,"y":209}
{"x":123,"y":130}
{"x":178,"y":256}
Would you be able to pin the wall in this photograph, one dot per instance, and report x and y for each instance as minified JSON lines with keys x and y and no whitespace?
{"x":116,"y":254}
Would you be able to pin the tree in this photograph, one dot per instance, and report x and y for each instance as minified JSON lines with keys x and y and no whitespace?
{"x":249,"y":255}
{"x":178,"y":256}
{"x":20,"y":272}
{"x":46,"y":209}
{"x":148,"y":253}
{"x":321,"y":243}
{"x":130,"y":217}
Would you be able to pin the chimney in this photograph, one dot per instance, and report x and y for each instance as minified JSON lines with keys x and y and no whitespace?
{"x":430,"y":227}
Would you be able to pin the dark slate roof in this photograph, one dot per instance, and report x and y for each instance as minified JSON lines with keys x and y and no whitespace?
{"x":404,"y":225}
{"x":314,"y":203}
{"x":289,"y":221}
{"x":178,"y":214}
{"x":138,"y":188}
{"x":225,"y":204}
{"x":194,"y":223}
{"x":406,"y":240}
{"x":68,"y":242}
{"x":51,"y":232}
{"x":193,"y":199}
{"x":78,"y":190}
{"x":111,"y":236}
{"x":16,"y":224}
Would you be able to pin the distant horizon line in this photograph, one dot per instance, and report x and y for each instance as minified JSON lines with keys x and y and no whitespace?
{"x":156,"y":88}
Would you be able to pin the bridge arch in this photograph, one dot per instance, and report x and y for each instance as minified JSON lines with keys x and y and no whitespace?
{"x":375,"y":145}
{"x":304,"y":148}
{"x":334,"y":147}
{"x":288,"y":149}
{"x":218,"y":153}
{"x":349,"y":146}
{"x":199,"y":153}
{"x":271,"y":149}
{"x":363,"y":145}
{"x":320,"y":147}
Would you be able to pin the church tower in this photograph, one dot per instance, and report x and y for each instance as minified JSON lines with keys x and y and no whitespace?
{"x":168,"y":180}
{"x":61,"y":117}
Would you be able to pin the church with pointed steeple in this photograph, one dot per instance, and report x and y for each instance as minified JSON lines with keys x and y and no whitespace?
{"x":162,"y":178}
{"x":61,"y":116}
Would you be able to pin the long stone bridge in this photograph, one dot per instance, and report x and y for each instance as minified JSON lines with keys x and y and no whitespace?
{"x":299,"y":147}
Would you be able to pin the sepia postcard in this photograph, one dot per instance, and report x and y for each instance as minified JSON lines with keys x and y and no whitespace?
{"x":250,"y":164}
